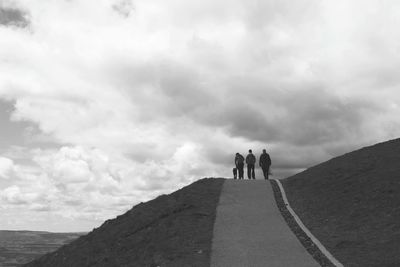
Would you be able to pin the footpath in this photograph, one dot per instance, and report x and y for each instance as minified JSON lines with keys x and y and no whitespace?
{"x":250,"y":231}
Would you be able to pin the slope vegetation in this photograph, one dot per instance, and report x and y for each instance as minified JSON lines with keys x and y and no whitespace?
{"x":352,"y":204}
{"x":171,"y":230}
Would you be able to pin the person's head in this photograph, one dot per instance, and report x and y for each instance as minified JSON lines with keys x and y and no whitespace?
{"x":237,"y":153}
{"x":264,"y":151}
{"x":250,"y":151}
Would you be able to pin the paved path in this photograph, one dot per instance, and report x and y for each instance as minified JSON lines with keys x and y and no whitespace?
{"x":250,"y":231}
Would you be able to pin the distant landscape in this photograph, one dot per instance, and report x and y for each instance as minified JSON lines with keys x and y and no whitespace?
{"x":19,"y":247}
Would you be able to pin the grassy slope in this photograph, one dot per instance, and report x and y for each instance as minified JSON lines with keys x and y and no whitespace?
{"x":352,"y":204}
{"x":171,"y":230}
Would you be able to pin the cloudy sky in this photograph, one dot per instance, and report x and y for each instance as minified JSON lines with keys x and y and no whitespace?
{"x":106,"y":103}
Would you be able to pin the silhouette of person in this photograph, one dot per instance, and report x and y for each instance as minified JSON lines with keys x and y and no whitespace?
{"x":250,"y":161}
{"x":265,"y":163}
{"x":239,"y":162}
{"x":234,"y":170}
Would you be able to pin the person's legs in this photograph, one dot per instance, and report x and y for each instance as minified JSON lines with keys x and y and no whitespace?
{"x":265,"y":172}
{"x":250,"y":171}
{"x":240,"y":169}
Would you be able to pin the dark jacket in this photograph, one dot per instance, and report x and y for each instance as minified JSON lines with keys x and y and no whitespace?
{"x":251,"y":159}
{"x":239,"y":159}
{"x":265,"y":160}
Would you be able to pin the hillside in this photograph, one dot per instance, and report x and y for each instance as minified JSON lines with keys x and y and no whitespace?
{"x":171,"y":230}
{"x":352,"y":204}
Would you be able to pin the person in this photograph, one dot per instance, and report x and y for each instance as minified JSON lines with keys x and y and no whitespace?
{"x":234,"y":173}
{"x":239,"y":162}
{"x":250,"y":161}
{"x":265,"y":163}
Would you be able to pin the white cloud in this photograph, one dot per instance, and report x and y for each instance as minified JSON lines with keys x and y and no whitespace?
{"x":15,"y":196}
{"x":6,"y":168}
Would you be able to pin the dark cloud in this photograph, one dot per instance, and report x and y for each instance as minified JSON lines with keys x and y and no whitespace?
{"x":13,"y":17}
{"x":302,"y":114}
{"x":165,"y":89}
{"x":245,"y":121}
{"x":220,"y":155}
{"x":317,"y":117}
{"x":184,"y":89}
{"x":124,"y":7}
{"x":298,"y":117}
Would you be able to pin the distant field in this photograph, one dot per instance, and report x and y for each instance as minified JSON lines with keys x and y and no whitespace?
{"x":19,"y":247}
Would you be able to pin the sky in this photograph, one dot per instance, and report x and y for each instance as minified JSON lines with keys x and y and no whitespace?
{"x":108,"y":103}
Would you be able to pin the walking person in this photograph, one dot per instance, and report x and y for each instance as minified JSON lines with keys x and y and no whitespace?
{"x":239,"y":162}
{"x":265,"y":163}
{"x":250,"y":161}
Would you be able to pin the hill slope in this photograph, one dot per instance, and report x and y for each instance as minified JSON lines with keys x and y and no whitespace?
{"x":171,"y":230}
{"x":352,"y":204}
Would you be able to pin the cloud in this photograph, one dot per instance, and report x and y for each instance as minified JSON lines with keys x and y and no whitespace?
{"x":6,"y":167}
{"x":129,"y":99}
{"x":81,"y":183}
{"x":11,"y":16}
{"x":15,"y":196}
{"x":72,"y":171}
{"x":72,"y":165}
{"x":124,"y":7}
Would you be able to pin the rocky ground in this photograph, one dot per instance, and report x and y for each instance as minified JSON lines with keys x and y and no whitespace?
{"x":352,"y":204}
{"x":171,"y":230}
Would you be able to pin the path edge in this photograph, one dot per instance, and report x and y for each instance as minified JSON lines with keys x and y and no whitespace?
{"x":309,"y":241}
{"x":211,"y":263}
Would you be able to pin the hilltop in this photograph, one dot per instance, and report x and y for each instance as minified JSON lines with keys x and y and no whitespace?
{"x":171,"y":230}
{"x":352,"y":204}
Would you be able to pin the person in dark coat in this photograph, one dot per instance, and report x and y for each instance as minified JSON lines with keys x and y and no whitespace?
{"x":250,"y":161}
{"x":239,"y":162}
{"x":265,"y":163}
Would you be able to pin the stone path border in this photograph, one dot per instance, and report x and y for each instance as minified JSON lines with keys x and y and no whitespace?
{"x":317,"y":244}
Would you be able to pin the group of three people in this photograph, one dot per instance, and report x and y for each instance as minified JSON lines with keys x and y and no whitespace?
{"x":264,"y":162}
